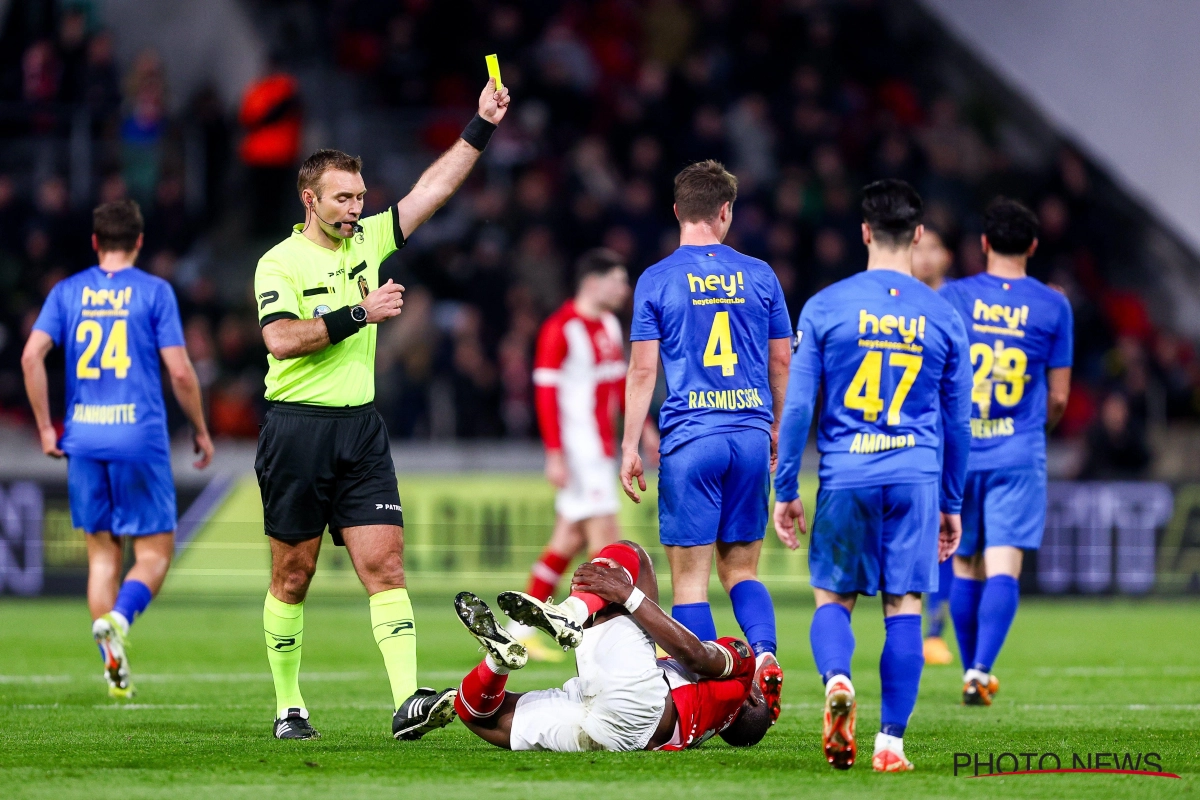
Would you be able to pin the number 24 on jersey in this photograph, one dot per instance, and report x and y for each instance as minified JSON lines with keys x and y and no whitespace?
{"x":115,"y":355}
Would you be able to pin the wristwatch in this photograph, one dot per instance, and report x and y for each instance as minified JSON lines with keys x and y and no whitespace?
{"x":359,"y":315}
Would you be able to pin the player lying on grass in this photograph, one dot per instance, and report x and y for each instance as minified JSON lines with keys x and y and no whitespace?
{"x":624,"y":698}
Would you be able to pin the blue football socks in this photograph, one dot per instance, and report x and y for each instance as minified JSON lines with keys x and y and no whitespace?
{"x":697,"y":618}
{"x":935,"y":611}
{"x":997,"y":607}
{"x":900,"y":672}
{"x":964,"y":610}
{"x":755,"y":614}
{"x":832,"y":640}
{"x":132,"y":600}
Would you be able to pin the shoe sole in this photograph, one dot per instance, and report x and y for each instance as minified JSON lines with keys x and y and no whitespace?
{"x":314,"y":735}
{"x":975,"y":694}
{"x":440,"y":715}
{"x":113,"y":664}
{"x":518,"y":607}
{"x":475,"y":615}
{"x":840,"y":712}
{"x":772,"y":689}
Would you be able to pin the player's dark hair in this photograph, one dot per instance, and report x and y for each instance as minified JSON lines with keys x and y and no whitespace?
{"x":749,"y":727}
{"x":320,"y":162}
{"x":1010,"y":227}
{"x":597,"y":261}
{"x":701,"y":189}
{"x":117,"y":226}
{"x":892,"y":209}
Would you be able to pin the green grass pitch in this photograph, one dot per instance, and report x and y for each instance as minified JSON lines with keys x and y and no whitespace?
{"x":1079,"y":676}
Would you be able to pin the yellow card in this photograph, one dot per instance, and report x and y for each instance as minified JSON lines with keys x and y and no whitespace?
{"x":493,"y":67}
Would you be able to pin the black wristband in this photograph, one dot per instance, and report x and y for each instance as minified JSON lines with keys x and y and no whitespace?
{"x":478,"y":132}
{"x":340,"y":324}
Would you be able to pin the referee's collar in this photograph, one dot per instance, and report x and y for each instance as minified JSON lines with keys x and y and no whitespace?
{"x":298,"y":229}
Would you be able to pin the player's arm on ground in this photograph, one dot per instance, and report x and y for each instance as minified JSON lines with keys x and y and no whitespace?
{"x":285,"y":334}
{"x":186,"y":387}
{"x":706,"y":659}
{"x":441,"y":180}
{"x":548,"y":357}
{"x":800,"y":402}
{"x":33,"y":365}
{"x":639,"y":391}
{"x":955,"y":400}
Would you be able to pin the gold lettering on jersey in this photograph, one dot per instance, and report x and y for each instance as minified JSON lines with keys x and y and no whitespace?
{"x":992,"y":428}
{"x":879,"y":442}
{"x":111,"y":302}
{"x":729,"y":284}
{"x":726,"y":400}
{"x":1013,"y":317}
{"x":882,"y":344}
{"x":909,"y":329}
{"x":120,"y":414}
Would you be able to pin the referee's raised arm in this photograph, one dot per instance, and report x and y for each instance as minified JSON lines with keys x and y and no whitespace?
{"x":324,"y":459}
{"x":444,"y":176}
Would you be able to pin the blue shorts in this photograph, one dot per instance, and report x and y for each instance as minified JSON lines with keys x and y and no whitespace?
{"x":877,"y":538}
{"x":715,"y":488}
{"x":125,"y":498}
{"x":1003,"y":507}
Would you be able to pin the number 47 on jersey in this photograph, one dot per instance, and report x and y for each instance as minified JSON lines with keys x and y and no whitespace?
{"x":863,"y":392}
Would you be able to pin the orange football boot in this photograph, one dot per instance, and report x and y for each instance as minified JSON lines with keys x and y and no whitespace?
{"x":769,"y":678}
{"x":841,"y":712}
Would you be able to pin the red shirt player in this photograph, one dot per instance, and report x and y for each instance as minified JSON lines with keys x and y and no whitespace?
{"x":619,"y":701}
{"x":579,"y":388}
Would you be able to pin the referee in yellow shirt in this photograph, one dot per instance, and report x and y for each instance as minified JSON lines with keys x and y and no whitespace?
{"x":323,"y":453}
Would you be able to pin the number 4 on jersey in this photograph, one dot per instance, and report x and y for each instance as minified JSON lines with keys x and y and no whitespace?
{"x":720,"y":339}
{"x":863,"y":392}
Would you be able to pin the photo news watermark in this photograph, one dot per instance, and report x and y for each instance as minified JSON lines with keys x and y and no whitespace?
{"x":989,"y":765}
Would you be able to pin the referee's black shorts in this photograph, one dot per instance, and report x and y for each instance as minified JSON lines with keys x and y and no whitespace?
{"x":320,"y":466}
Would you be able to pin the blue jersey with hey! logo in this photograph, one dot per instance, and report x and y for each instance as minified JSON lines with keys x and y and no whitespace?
{"x":891,"y":358}
{"x":713,"y":310}
{"x":111,"y":326}
{"x":1018,"y":329}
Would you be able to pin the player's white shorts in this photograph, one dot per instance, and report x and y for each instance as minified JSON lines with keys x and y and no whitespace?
{"x":614,"y":704}
{"x":591,"y":490}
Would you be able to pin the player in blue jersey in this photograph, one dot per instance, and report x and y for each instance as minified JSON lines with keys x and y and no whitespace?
{"x":114,"y":323}
{"x":1021,"y":334}
{"x":890,"y":359}
{"x":931,"y":264}
{"x":719,"y":322}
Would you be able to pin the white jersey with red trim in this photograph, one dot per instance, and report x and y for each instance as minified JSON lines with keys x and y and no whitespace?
{"x":579,"y":380}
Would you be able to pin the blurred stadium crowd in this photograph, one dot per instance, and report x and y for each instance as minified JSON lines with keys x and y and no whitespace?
{"x":804,"y":100}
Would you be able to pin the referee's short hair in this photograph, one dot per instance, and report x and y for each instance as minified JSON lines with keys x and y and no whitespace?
{"x":117,"y":226}
{"x":1010,"y":227}
{"x":320,"y":162}
{"x":892,"y":209}
{"x":597,"y":261}
{"x":701,"y":189}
